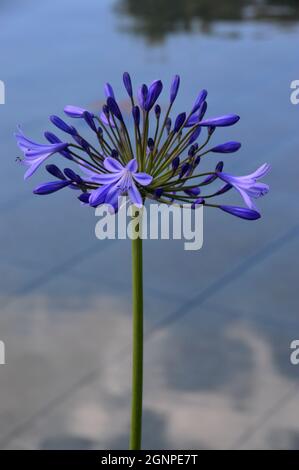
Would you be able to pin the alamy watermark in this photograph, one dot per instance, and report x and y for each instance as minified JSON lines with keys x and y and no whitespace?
{"x":155,"y":221}
{"x":294,"y":356}
{"x":295,"y":93}
{"x":2,"y":92}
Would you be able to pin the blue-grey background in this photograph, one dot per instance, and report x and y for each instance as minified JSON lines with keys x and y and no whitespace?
{"x":219,"y":322}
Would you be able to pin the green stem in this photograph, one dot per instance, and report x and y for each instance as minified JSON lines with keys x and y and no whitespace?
{"x":137,"y":359}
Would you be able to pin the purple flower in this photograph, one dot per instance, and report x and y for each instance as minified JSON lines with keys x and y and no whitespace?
{"x":118,"y":181}
{"x":35,"y":154}
{"x":169,"y":155}
{"x":248,"y":186}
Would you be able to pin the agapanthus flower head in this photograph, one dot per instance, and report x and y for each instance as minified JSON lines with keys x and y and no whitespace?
{"x":159,"y":160}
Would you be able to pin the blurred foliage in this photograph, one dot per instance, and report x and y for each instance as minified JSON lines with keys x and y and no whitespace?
{"x":156,"y":18}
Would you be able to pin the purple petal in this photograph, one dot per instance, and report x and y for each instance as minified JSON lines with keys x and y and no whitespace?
{"x":143,"y":178}
{"x":107,"y":178}
{"x":98,"y":196}
{"x":113,"y":165}
{"x":132,"y":166}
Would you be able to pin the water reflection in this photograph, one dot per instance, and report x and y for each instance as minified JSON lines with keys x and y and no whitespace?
{"x":155,"y":19}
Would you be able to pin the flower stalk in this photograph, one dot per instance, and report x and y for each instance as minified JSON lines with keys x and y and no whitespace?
{"x":137,"y":352}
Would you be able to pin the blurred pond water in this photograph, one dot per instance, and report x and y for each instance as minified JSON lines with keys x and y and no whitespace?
{"x":219,"y":322}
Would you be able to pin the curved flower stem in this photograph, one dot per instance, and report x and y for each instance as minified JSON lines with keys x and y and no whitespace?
{"x":137,"y":357}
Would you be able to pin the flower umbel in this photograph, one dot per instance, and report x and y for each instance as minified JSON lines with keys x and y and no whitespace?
{"x":160,"y":161}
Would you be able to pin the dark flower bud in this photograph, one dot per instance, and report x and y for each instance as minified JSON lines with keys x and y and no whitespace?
{"x":199,"y":100}
{"x":100,"y":131}
{"x":128,"y":84}
{"x":106,"y":110}
{"x":114,"y":153}
{"x":71,"y":175}
{"x":192,"y":191}
{"x":51,"y":187}
{"x":228,"y":147}
{"x":198,"y":201}
{"x":185,"y":169}
{"x":174,"y":88}
{"x":158,"y":111}
{"x":53,"y":139}
{"x":202,"y":110}
{"x":114,"y":108}
{"x":196,"y":161}
{"x":84,"y":197}
{"x":55,"y":171}
{"x":168,"y":124}
{"x":153,"y":94}
{"x":179,"y":122}
{"x":195,"y":134}
{"x":175,"y":163}
{"x":222,"y":121}
{"x":219,"y":167}
{"x":136,"y":115}
{"x":241,"y":212}
{"x":89,"y":120}
{"x":151,"y":144}
{"x":82,"y":142}
{"x":158,"y":192}
{"x":142,"y":95}
{"x":191,"y":151}
{"x":224,"y":189}
{"x":62,"y":125}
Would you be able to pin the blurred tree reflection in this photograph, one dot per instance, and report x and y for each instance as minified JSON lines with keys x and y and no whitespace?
{"x":156,"y":18}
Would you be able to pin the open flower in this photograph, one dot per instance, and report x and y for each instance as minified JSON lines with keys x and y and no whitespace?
{"x":119,"y":180}
{"x":35,"y":154}
{"x":163,"y":165}
{"x":248,"y":186}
